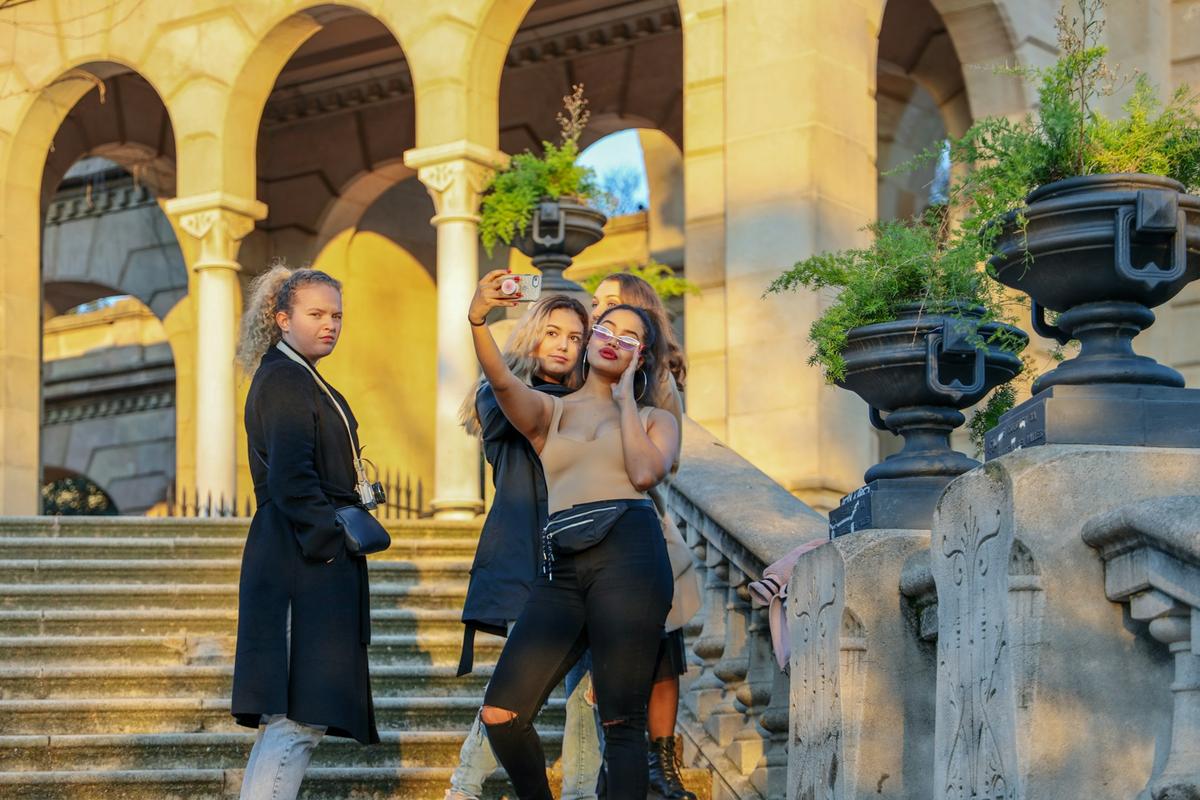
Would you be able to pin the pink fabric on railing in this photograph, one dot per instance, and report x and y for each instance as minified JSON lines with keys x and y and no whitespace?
{"x":771,"y":592}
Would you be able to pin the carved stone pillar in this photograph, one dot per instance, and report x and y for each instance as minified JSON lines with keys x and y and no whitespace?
{"x":770,"y":774}
{"x":216,"y":223}
{"x":455,"y":175}
{"x":726,"y":719}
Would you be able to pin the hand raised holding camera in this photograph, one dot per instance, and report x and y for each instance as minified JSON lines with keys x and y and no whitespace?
{"x":489,"y":294}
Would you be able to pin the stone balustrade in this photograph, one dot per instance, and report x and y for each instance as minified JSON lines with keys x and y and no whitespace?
{"x":735,"y":700}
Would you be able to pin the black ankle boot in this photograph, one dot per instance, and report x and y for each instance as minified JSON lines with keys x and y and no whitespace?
{"x":664,"y":770}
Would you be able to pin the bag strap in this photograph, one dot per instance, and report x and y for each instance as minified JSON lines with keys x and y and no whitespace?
{"x":359,"y":471}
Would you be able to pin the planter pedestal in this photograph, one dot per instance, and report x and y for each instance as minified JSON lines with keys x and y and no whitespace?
{"x":1101,"y":414}
{"x":900,"y":503}
{"x":559,"y":231}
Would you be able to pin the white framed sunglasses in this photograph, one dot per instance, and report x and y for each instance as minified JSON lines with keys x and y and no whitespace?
{"x":608,"y":337}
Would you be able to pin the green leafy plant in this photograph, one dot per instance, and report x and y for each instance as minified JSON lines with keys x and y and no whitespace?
{"x":662,"y":279}
{"x":1006,"y":159}
{"x":988,"y":415}
{"x":514,"y":192}
{"x":908,"y":261}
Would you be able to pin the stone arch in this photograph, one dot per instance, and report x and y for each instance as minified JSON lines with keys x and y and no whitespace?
{"x":356,"y":197}
{"x":499,"y":21}
{"x":985,"y":34}
{"x":104,"y":234}
{"x":24,"y":174}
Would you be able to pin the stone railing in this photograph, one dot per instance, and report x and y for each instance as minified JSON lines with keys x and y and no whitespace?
{"x":734,"y":703}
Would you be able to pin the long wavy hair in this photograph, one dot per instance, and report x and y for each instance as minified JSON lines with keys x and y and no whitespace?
{"x":637,"y":292}
{"x":654,"y":355}
{"x":269,"y":293}
{"x":520,"y":351}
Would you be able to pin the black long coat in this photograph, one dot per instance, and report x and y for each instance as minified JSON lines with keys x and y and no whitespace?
{"x":293,"y":427}
{"x":509,"y":551}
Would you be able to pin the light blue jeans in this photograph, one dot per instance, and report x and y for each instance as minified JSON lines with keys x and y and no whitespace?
{"x":279,"y":759}
{"x":583,"y":736}
{"x":581,"y":750}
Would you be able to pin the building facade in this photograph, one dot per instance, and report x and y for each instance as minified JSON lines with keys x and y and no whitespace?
{"x":170,"y":151}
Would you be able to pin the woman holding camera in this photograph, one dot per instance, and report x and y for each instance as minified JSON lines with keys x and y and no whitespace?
{"x":543,"y":352}
{"x":300,"y":668}
{"x":606,"y":583}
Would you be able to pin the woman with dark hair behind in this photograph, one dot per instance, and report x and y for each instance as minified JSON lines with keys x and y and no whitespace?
{"x":606,"y":586}
{"x":300,"y":668}
{"x":543,"y":352}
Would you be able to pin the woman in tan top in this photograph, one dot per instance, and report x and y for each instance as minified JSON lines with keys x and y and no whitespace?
{"x":606,"y":581}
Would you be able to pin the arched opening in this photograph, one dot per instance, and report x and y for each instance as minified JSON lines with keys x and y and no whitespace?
{"x":921,"y":99}
{"x":630,"y":62}
{"x":112,"y":274}
{"x":330,"y":148}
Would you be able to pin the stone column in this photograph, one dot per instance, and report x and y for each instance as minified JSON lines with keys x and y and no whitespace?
{"x":216,"y":223}
{"x":455,"y":175}
{"x":799,"y":178}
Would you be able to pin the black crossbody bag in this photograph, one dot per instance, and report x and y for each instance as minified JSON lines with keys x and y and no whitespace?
{"x":582,"y":527}
{"x":364,"y":534}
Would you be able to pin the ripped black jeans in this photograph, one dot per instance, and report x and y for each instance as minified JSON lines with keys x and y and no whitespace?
{"x":612,"y":598}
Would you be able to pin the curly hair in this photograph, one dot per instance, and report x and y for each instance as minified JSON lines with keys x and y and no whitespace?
{"x":521,"y":348}
{"x":269,"y":293}
{"x":637,"y":292}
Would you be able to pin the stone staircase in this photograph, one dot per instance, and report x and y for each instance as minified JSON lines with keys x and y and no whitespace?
{"x":116,"y":643}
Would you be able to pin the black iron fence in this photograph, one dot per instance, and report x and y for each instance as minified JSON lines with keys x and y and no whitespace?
{"x":405,"y":500}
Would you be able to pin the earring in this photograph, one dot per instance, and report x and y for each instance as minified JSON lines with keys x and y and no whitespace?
{"x":586,"y":365}
{"x":645,"y":383}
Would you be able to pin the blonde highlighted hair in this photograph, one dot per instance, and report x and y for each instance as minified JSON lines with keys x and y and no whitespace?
{"x":268,"y":294}
{"x":520,"y":352}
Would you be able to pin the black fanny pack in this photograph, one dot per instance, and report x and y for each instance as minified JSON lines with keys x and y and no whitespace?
{"x":581,"y":527}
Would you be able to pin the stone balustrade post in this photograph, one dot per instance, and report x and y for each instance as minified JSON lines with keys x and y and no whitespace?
{"x":770,"y":774}
{"x":455,"y":175}
{"x":705,"y":691}
{"x":725,"y":718}
{"x":753,"y":695}
{"x":216,"y":223}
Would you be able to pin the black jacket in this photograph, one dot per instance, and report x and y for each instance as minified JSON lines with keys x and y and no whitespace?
{"x":507,"y":558}
{"x":293,"y":427}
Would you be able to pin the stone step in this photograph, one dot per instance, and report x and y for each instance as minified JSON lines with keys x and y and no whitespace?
{"x":25,"y":547}
{"x":167,"y":621}
{"x":203,"y":571}
{"x":228,"y":750}
{"x":422,"y":648}
{"x":211,"y":714}
{"x":427,"y":594}
{"x":126,"y":527}
{"x":320,"y":783}
{"x":387,"y":680}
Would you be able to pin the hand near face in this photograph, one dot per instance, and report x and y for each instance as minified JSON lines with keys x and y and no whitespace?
{"x":623,"y":389}
{"x":488,"y":296}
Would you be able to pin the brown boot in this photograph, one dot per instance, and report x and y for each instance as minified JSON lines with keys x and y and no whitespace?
{"x":664,"y":770}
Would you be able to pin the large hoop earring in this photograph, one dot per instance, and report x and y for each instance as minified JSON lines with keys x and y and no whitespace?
{"x":645,"y":383}
{"x":586,"y":366}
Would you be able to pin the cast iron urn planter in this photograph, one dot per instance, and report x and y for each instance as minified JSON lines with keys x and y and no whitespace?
{"x":1101,"y":251}
{"x":559,"y":231}
{"x":917,"y":373}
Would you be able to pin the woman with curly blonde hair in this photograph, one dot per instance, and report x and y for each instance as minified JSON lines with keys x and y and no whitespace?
{"x":300,"y":668}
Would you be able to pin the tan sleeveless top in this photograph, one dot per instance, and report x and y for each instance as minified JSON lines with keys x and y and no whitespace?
{"x":579,"y":471}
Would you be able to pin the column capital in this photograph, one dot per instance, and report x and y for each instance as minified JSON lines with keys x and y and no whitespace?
{"x":456,"y":175}
{"x":219,"y":222}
